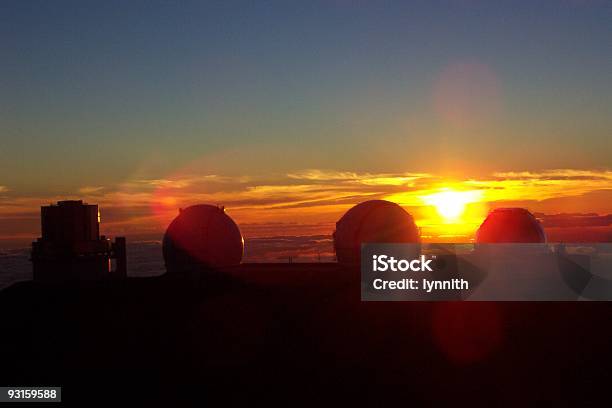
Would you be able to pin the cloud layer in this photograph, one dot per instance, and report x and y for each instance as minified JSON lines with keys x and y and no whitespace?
{"x":308,"y":202}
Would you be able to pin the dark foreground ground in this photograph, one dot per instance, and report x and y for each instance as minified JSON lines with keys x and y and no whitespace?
{"x":297,"y":334}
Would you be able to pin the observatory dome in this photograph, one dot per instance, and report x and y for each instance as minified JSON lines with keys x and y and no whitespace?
{"x":508,"y":225}
{"x":202,"y":236}
{"x":371,"y":222}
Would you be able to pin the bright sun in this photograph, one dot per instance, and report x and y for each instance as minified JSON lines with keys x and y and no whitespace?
{"x":451,"y":204}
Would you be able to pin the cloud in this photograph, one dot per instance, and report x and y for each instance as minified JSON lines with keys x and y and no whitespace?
{"x":542,"y":185}
{"x":91,"y":190}
{"x":557,"y":174}
{"x":301,"y":248}
{"x":275,"y":229}
{"x":574,"y":220}
{"x":319,"y":197}
{"x":184,"y":181}
{"x":381,"y":179}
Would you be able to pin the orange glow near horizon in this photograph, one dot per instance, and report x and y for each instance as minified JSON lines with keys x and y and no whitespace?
{"x":310,"y":202}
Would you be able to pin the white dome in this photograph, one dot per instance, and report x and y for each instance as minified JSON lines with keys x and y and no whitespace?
{"x":202,"y":235}
{"x":506,"y":225}
{"x":376,"y":221}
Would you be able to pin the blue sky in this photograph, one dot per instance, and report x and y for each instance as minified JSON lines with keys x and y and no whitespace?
{"x":92,"y":93}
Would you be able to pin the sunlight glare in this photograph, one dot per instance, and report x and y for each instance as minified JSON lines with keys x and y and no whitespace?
{"x":451,"y":204}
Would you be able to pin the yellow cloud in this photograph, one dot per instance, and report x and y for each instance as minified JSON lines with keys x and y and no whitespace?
{"x":370,"y":179}
{"x":90,"y":190}
{"x":543,"y":185}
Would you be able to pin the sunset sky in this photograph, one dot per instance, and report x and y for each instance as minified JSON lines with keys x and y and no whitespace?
{"x":288,"y":113}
